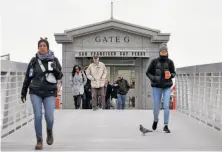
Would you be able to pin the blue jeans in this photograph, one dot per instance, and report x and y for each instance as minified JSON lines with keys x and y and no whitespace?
{"x":157,"y":94}
{"x":121,"y":101}
{"x":49,"y":106}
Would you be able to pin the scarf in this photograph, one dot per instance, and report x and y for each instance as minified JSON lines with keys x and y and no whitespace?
{"x":47,"y":56}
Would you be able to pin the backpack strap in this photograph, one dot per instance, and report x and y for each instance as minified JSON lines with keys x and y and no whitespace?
{"x":33,"y":62}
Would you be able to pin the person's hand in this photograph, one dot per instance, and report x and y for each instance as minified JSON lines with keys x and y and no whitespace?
{"x":53,"y":65}
{"x":167,"y":75}
{"x":23,"y":98}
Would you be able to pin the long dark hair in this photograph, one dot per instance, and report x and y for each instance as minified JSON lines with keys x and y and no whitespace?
{"x":74,"y":70}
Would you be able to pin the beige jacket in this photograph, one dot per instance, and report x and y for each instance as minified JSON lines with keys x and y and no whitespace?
{"x":97,"y":74}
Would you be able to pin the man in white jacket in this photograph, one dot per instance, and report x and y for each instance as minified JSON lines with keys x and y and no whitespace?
{"x":97,"y":73}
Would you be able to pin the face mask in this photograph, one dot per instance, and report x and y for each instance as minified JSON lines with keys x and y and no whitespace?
{"x":163,"y":57}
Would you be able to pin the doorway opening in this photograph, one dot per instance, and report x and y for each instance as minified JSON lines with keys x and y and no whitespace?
{"x":125,"y":67}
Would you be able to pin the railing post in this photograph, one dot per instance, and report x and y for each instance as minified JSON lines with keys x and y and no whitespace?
{"x":219,"y":99}
{"x":13,"y":81}
{"x":185,"y":92}
{"x":217,"y":104}
{"x":210,"y":97}
{"x":193,"y":95}
{"x":182,"y":93}
{"x":198,"y":95}
{"x":204,"y":96}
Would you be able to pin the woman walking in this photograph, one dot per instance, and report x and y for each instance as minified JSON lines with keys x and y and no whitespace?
{"x":78,"y":81}
{"x":41,"y":78}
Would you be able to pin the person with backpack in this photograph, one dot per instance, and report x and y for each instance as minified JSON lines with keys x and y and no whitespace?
{"x":42,"y":74}
{"x":160,"y":72}
{"x":122,"y":89}
{"x":78,"y":81}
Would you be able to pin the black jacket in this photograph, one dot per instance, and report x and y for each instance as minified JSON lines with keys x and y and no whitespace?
{"x":123,"y":86}
{"x":38,"y":84}
{"x":87,"y":89}
{"x":114,"y":92}
{"x":87,"y":86}
{"x":156,"y":72}
{"x":108,"y":91}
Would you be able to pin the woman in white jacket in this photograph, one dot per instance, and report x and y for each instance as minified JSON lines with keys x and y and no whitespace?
{"x":78,"y":81}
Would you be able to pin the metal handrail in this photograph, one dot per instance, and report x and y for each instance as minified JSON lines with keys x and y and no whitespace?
{"x":14,"y":112}
{"x":6,"y":55}
{"x":199,"y":95}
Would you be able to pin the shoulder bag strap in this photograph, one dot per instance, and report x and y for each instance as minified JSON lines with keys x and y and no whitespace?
{"x":41,"y":66}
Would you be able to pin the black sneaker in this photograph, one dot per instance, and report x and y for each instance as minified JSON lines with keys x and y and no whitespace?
{"x":154,"y":125}
{"x":49,"y":138}
{"x":166,"y":129}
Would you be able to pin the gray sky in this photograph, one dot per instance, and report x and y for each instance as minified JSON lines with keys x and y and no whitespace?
{"x":195,"y":25}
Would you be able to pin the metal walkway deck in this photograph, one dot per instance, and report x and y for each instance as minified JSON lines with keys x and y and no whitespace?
{"x":117,"y":130}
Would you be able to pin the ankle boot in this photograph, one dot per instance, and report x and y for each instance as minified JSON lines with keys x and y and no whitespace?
{"x":49,"y":138}
{"x":38,"y":146}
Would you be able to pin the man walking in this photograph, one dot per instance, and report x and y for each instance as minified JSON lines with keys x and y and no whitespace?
{"x":96,"y":73}
{"x":122,"y":89}
{"x":160,"y":72}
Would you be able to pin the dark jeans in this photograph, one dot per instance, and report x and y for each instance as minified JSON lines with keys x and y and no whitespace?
{"x":96,"y":92}
{"x":77,"y":101}
{"x":108,"y":104}
{"x":86,"y":100}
